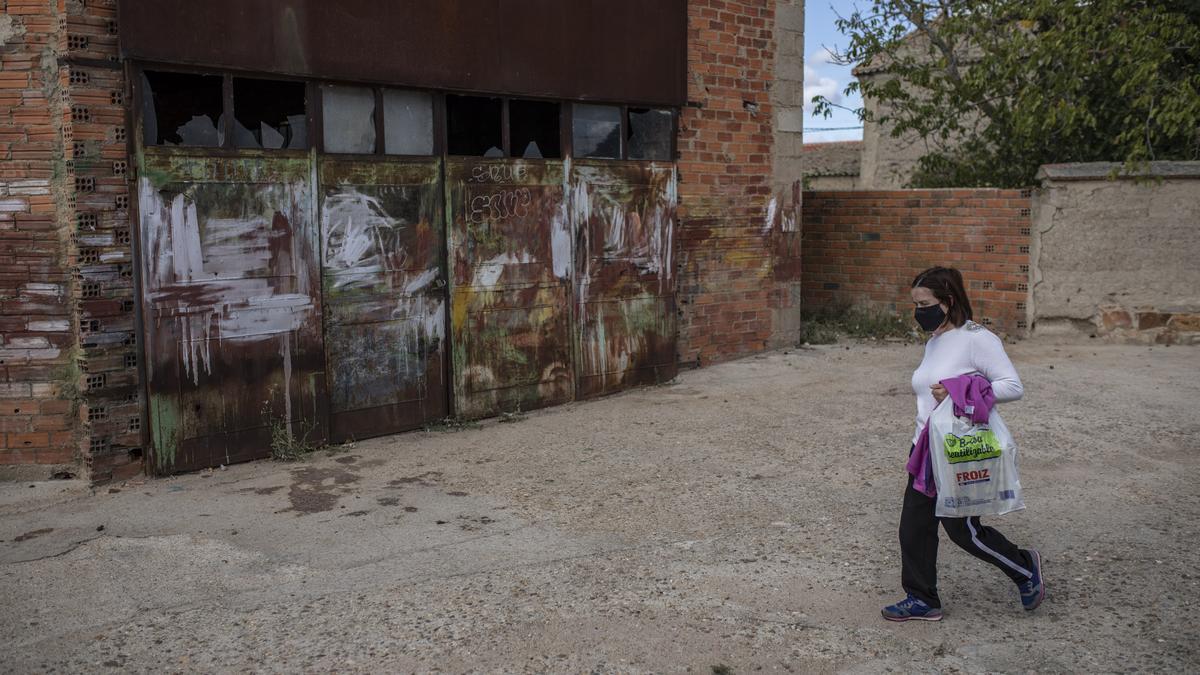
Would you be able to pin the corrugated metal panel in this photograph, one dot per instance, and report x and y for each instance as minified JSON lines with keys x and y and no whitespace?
{"x":613,"y":50}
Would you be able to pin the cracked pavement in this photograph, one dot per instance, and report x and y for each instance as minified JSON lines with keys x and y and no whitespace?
{"x":743,"y":516}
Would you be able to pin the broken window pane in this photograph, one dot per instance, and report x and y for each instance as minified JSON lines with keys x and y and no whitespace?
{"x":269,"y":114}
{"x":596,"y":130}
{"x":408,"y":122}
{"x":473,"y":126}
{"x":348,"y":119}
{"x":533,"y":129}
{"x":650,"y":133}
{"x":182,"y":109}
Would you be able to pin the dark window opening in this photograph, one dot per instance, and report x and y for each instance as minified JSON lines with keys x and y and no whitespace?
{"x":473,"y":126}
{"x":596,"y":131}
{"x":348,"y":116}
{"x":650,"y":133}
{"x":182,"y":109}
{"x":408,"y":122}
{"x":533,"y":129}
{"x":269,"y":114}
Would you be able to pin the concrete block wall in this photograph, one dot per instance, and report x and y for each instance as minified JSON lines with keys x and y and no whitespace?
{"x":737,"y":231}
{"x":864,"y":248}
{"x":110,"y":402}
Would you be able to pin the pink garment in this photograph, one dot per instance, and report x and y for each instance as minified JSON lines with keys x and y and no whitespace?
{"x":971,"y":395}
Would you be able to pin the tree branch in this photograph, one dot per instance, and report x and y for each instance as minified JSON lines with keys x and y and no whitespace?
{"x":917,"y":18}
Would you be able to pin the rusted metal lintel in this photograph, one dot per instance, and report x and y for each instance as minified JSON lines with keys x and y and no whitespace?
{"x":624,"y":51}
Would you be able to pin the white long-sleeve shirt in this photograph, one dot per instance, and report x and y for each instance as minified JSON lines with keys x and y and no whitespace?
{"x":969,"y":349}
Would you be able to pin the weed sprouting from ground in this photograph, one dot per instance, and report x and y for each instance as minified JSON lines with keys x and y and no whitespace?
{"x":449,"y":425}
{"x":513,"y":416}
{"x":827,"y":325}
{"x":287,"y":446}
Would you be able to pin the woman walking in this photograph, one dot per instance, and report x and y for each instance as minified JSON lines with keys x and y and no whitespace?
{"x":957,"y":346}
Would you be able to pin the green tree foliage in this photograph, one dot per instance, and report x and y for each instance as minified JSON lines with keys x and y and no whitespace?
{"x":998,"y":88}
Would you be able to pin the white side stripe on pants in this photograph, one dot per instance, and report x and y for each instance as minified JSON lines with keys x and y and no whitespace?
{"x":1012,"y":565}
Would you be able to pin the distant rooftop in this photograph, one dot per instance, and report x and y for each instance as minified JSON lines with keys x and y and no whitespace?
{"x":838,"y":158}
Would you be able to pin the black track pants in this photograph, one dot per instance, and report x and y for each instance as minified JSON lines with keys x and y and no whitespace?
{"x":919,"y":546}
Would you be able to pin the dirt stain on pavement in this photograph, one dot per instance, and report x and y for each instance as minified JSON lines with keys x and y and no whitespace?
{"x":33,"y":534}
{"x":428,"y":478}
{"x":317,"y":489}
{"x":262,"y":490}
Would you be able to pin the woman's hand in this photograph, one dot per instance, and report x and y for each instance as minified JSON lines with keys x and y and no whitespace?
{"x":939,"y":392}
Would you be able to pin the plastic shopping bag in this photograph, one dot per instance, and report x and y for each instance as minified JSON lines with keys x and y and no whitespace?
{"x":974,"y":465}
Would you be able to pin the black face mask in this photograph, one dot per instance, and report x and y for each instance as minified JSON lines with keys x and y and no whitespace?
{"x":929,"y":318}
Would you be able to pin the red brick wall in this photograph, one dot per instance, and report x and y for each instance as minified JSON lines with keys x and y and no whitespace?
{"x":733,"y":263}
{"x":36,"y":328}
{"x":864,"y":248}
{"x":66,"y":318}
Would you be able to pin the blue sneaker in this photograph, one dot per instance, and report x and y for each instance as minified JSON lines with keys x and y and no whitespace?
{"x":912,"y":609}
{"x":1033,"y":591}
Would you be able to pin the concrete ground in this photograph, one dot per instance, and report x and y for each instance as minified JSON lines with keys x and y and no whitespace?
{"x":743,"y":517}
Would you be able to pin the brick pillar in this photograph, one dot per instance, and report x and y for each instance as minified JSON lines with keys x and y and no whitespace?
{"x":787,"y":100}
{"x":69,"y":399}
{"x":735,"y":250}
{"x":110,"y":403}
{"x":37,"y":338}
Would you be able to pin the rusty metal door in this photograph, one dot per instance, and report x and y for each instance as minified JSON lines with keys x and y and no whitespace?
{"x":510,"y":257}
{"x":231,"y":306}
{"x":384,"y":294}
{"x":623,"y":215}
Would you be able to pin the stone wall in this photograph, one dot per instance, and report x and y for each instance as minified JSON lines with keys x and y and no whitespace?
{"x":832,"y":166}
{"x":1118,"y":256}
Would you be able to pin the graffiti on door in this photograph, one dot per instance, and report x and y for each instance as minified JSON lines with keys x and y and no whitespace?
{"x":510,"y":253}
{"x":384,"y":293}
{"x":230,"y":307}
{"x":623,"y":215}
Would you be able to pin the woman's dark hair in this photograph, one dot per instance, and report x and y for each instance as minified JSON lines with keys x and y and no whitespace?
{"x":946,"y":284}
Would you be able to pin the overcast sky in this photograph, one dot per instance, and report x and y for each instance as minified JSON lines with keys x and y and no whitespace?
{"x":822,"y":77}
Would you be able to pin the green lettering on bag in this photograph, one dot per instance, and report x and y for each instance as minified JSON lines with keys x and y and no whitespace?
{"x":982,"y":444}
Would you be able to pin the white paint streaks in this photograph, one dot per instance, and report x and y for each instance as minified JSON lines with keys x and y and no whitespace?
{"x":46,"y":290}
{"x":770,"y":220}
{"x":185,"y":240}
{"x":226,"y":278}
{"x":48,"y":326}
{"x":358,"y":238}
{"x":488,"y":274}
{"x":560,"y":229}
{"x":285,"y":353}
{"x":14,"y":356}
{"x":421,"y":281}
